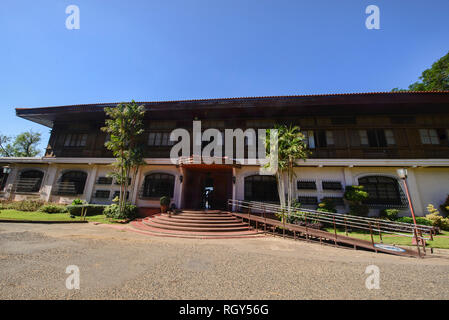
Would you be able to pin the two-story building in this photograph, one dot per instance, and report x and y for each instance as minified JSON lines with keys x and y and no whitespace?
{"x":355,"y":139}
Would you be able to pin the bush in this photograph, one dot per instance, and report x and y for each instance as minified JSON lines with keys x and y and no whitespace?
{"x":419,"y":220}
{"x":24,"y":205}
{"x":355,"y":194}
{"x":164,"y":201}
{"x":92,"y":209}
{"x":357,"y":209}
{"x":113,"y":211}
{"x":77,"y":202}
{"x":390,"y":214}
{"x":326,"y":206}
{"x":52,"y":208}
{"x":445,"y":207}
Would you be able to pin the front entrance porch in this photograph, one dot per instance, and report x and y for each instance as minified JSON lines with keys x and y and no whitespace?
{"x":206,"y":186}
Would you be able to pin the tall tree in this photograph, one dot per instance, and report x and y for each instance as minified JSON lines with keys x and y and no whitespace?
{"x":124,"y":126}
{"x":435,"y":78}
{"x":291,"y":148}
{"x":22,"y":145}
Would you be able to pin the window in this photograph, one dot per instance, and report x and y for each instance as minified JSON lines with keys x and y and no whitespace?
{"x":104,"y":180}
{"x":324,"y":138}
{"x":337,"y":201}
{"x":302,"y":185}
{"x":381,"y":190}
{"x":307,"y":200}
{"x":72,"y":183}
{"x":157,"y":185}
{"x":3,"y":179}
{"x":429,"y":136}
{"x":375,"y":137}
{"x":75,"y":140}
{"x":102,"y":194}
{"x":29,"y":181}
{"x":309,"y":138}
{"x":159,"y":139}
{"x":331,"y":185}
{"x":117,"y":194}
{"x":389,"y":135}
{"x":261,"y":188}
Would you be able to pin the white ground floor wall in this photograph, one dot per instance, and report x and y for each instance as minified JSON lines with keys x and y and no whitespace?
{"x":427,"y":184}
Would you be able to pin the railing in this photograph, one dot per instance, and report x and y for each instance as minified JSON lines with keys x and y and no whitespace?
{"x":27,"y":185}
{"x":66,"y":188}
{"x":419,"y":232}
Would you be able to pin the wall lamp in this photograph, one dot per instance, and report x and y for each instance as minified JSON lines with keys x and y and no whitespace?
{"x":180,"y":178}
{"x":233,"y":179}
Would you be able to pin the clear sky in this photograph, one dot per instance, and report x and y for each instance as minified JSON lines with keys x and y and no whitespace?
{"x":185,"y":49}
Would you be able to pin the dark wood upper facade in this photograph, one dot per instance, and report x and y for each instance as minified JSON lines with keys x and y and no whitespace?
{"x":357,"y":126}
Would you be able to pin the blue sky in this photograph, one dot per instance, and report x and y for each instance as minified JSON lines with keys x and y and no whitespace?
{"x":184,"y":49}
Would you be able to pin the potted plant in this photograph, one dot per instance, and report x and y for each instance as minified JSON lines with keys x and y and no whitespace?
{"x":165,"y":202}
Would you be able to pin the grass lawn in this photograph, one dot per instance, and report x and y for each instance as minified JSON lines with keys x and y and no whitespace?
{"x":440,"y":241}
{"x":8,"y":214}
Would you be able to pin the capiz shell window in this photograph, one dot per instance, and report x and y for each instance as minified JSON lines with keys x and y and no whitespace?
{"x":381,"y":190}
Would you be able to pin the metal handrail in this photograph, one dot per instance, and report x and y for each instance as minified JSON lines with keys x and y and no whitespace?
{"x":361,"y":223}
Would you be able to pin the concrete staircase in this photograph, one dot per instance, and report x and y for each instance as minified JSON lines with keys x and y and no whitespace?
{"x":195,"y":224}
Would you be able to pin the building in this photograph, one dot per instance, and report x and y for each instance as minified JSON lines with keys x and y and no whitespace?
{"x":360,"y":138}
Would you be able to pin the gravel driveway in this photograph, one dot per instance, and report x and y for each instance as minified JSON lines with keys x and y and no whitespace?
{"x":117,"y":264}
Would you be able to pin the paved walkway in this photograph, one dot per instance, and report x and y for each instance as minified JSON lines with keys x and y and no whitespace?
{"x":117,"y":264}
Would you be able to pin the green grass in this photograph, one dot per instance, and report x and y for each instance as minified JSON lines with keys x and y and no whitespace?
{"x":42,"y":216}
{"x":440,"y":241}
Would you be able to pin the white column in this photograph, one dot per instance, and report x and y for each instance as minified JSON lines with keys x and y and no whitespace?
{"x":90,"y":184}
{"x":414,"y":193}
{"x":234,"y":188}
{"x":136,"y":186}
{"x":349,"y":179}
{"x":10,"y":182}
{"x":50,"y":178}
{"x":178,"y":194}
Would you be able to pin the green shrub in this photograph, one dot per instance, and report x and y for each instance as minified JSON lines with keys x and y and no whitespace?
{"x":24,"y":205}
{"x":390,"y":214}
{"x":419,"y":220}
{"x":165,"y":201}
{"x":113,"y":211}
{"x":77,"y":202}
{"x":357,"y":209}
{"x":92,"y":209}
{"x":355,"y":193}
{"x":52,"y":208}
{"x":326,"y":206}
{"x":445,"y":207}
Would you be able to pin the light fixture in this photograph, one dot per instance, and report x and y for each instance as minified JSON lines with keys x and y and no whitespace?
{"x":233,"y":179}
{"x":180,"y":178}
{"x":402,"y":173}
{"x":6,"y":170}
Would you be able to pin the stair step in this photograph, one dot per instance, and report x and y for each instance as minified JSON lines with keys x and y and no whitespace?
{"x":211,"y":228}
{"x":142,"y":228}
{"x":211,"y":221}
{"x":197,"y":224}
{"x":183,"y":218}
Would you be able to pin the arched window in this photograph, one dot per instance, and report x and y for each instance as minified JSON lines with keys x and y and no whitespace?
{"x":157,"y":185}
{"x":381,"y":190}
{"x":261,"y":188}
{"x":29,"y":181}
{"x":72,"y":183}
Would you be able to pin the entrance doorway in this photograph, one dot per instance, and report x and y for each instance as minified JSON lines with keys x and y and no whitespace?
{"x":207,"y":187}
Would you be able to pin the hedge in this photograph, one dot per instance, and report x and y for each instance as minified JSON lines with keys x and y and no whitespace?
{"x":92,"y":209}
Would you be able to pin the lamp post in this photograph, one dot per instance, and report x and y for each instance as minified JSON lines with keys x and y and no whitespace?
{"x":402,"y":173}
